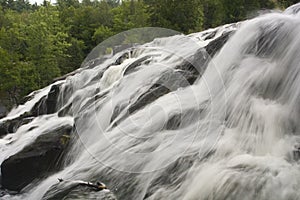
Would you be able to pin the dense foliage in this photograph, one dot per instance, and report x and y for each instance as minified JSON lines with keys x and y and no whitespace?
{"x":41,"y":42}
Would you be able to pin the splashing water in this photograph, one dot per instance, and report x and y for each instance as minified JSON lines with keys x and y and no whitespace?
{"x":150,"y":130}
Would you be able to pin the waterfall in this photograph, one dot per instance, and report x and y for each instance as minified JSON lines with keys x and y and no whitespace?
{"x":181,"y":117}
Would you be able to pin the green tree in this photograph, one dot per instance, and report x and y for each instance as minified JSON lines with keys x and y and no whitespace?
{"x":83,"y":21}
{"x":130,"y":14}
{"x":63,"y":4}
{"x":46,"y":41}
{"x":17,"y":5}
{"x":287,"y":3}
{"x":74,"y":58}
{"x":102,"y":33}
{"x":213,"y":11}
{"x":32,"y":47}
{"x":237,"y":10}
{"x":17,"y":78}
{"x":184,"y":16}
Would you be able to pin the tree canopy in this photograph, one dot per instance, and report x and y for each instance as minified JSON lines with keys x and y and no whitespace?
{"x":41,"y":42}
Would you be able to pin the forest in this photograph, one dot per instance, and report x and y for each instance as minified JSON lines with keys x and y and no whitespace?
{"x":41,"y":42}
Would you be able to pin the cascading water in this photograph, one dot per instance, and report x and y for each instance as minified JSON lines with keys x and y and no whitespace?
{"x":168,"y":122}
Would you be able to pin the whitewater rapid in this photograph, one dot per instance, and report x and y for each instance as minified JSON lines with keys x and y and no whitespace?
{"x":228,"y":134}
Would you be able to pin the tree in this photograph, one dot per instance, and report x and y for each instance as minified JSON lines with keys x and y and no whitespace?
{"x":102,"y":33}
{"x":46,"y":42}
{"x":84,"y":20}
{"x":213,"y":11}
{"x":184,"y":16}
{"x":130,"y":14}
{"x":287,"y":3}
{"x":17,"y":78}
{"x":74,"y":58}
{"x":237,"y":10}
{"x":17,"y":5}
{"x":32,"y":46}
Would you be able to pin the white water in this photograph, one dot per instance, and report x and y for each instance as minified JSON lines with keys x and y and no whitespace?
{"x":26,"y":134}
{"x":34,"y":98}
{"x":239,"y":121}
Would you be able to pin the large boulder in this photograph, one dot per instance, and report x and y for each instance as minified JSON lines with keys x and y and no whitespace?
{"x":36,"y":160}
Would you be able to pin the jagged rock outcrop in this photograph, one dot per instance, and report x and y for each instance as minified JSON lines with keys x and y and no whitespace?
{"x":36,"y":160}
{"x":11,"y":125}
{"x":75,"y":191}
{"x":46,"y":105}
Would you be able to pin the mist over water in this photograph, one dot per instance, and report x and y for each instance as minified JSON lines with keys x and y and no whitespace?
{"x":228,"y":133}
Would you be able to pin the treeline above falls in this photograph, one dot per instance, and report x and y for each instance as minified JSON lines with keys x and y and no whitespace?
{"x":41,"y":42}
{"x":210,"y":115}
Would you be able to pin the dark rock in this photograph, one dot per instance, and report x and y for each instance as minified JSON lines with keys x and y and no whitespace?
{"x":151,"y":95}
{"x":12,"y":125}
{"x":39,"y":108}
{"x":66,"y":110}
{"x":4,"y":192}
{"x":117,"y":110}
{"x":173,"y":122}
{"x":27,"y":98}
{"x":135,"y":64}
{"x":121,"y":59}
{"x":214,"y":46}
{"x":36,"y":160}
{"x":296,"y":152}
{"x":3,"y":130}
{"x":210,"y":35}
{"x":180,"y":119}
{"x":47,"y":104}
{"x":3,"y":111}
{"x":99,"y":75}
{"x":174,"y":174}
{"x":74,"y":190}
{"x":271,"y":38}
{"x":51,"y":101}
{"x":180,"y":77}
{"x":170,"y":81}
{"x":170,"y":176}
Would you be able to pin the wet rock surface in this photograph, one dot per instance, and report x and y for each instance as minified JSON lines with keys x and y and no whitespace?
{"x":36,"y":160}
{"x":3,"y":111}
{"x":48,"y":104}
{"x":214,"y":46}
{"x":76,"y":191}
{"x":11,"y":125}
